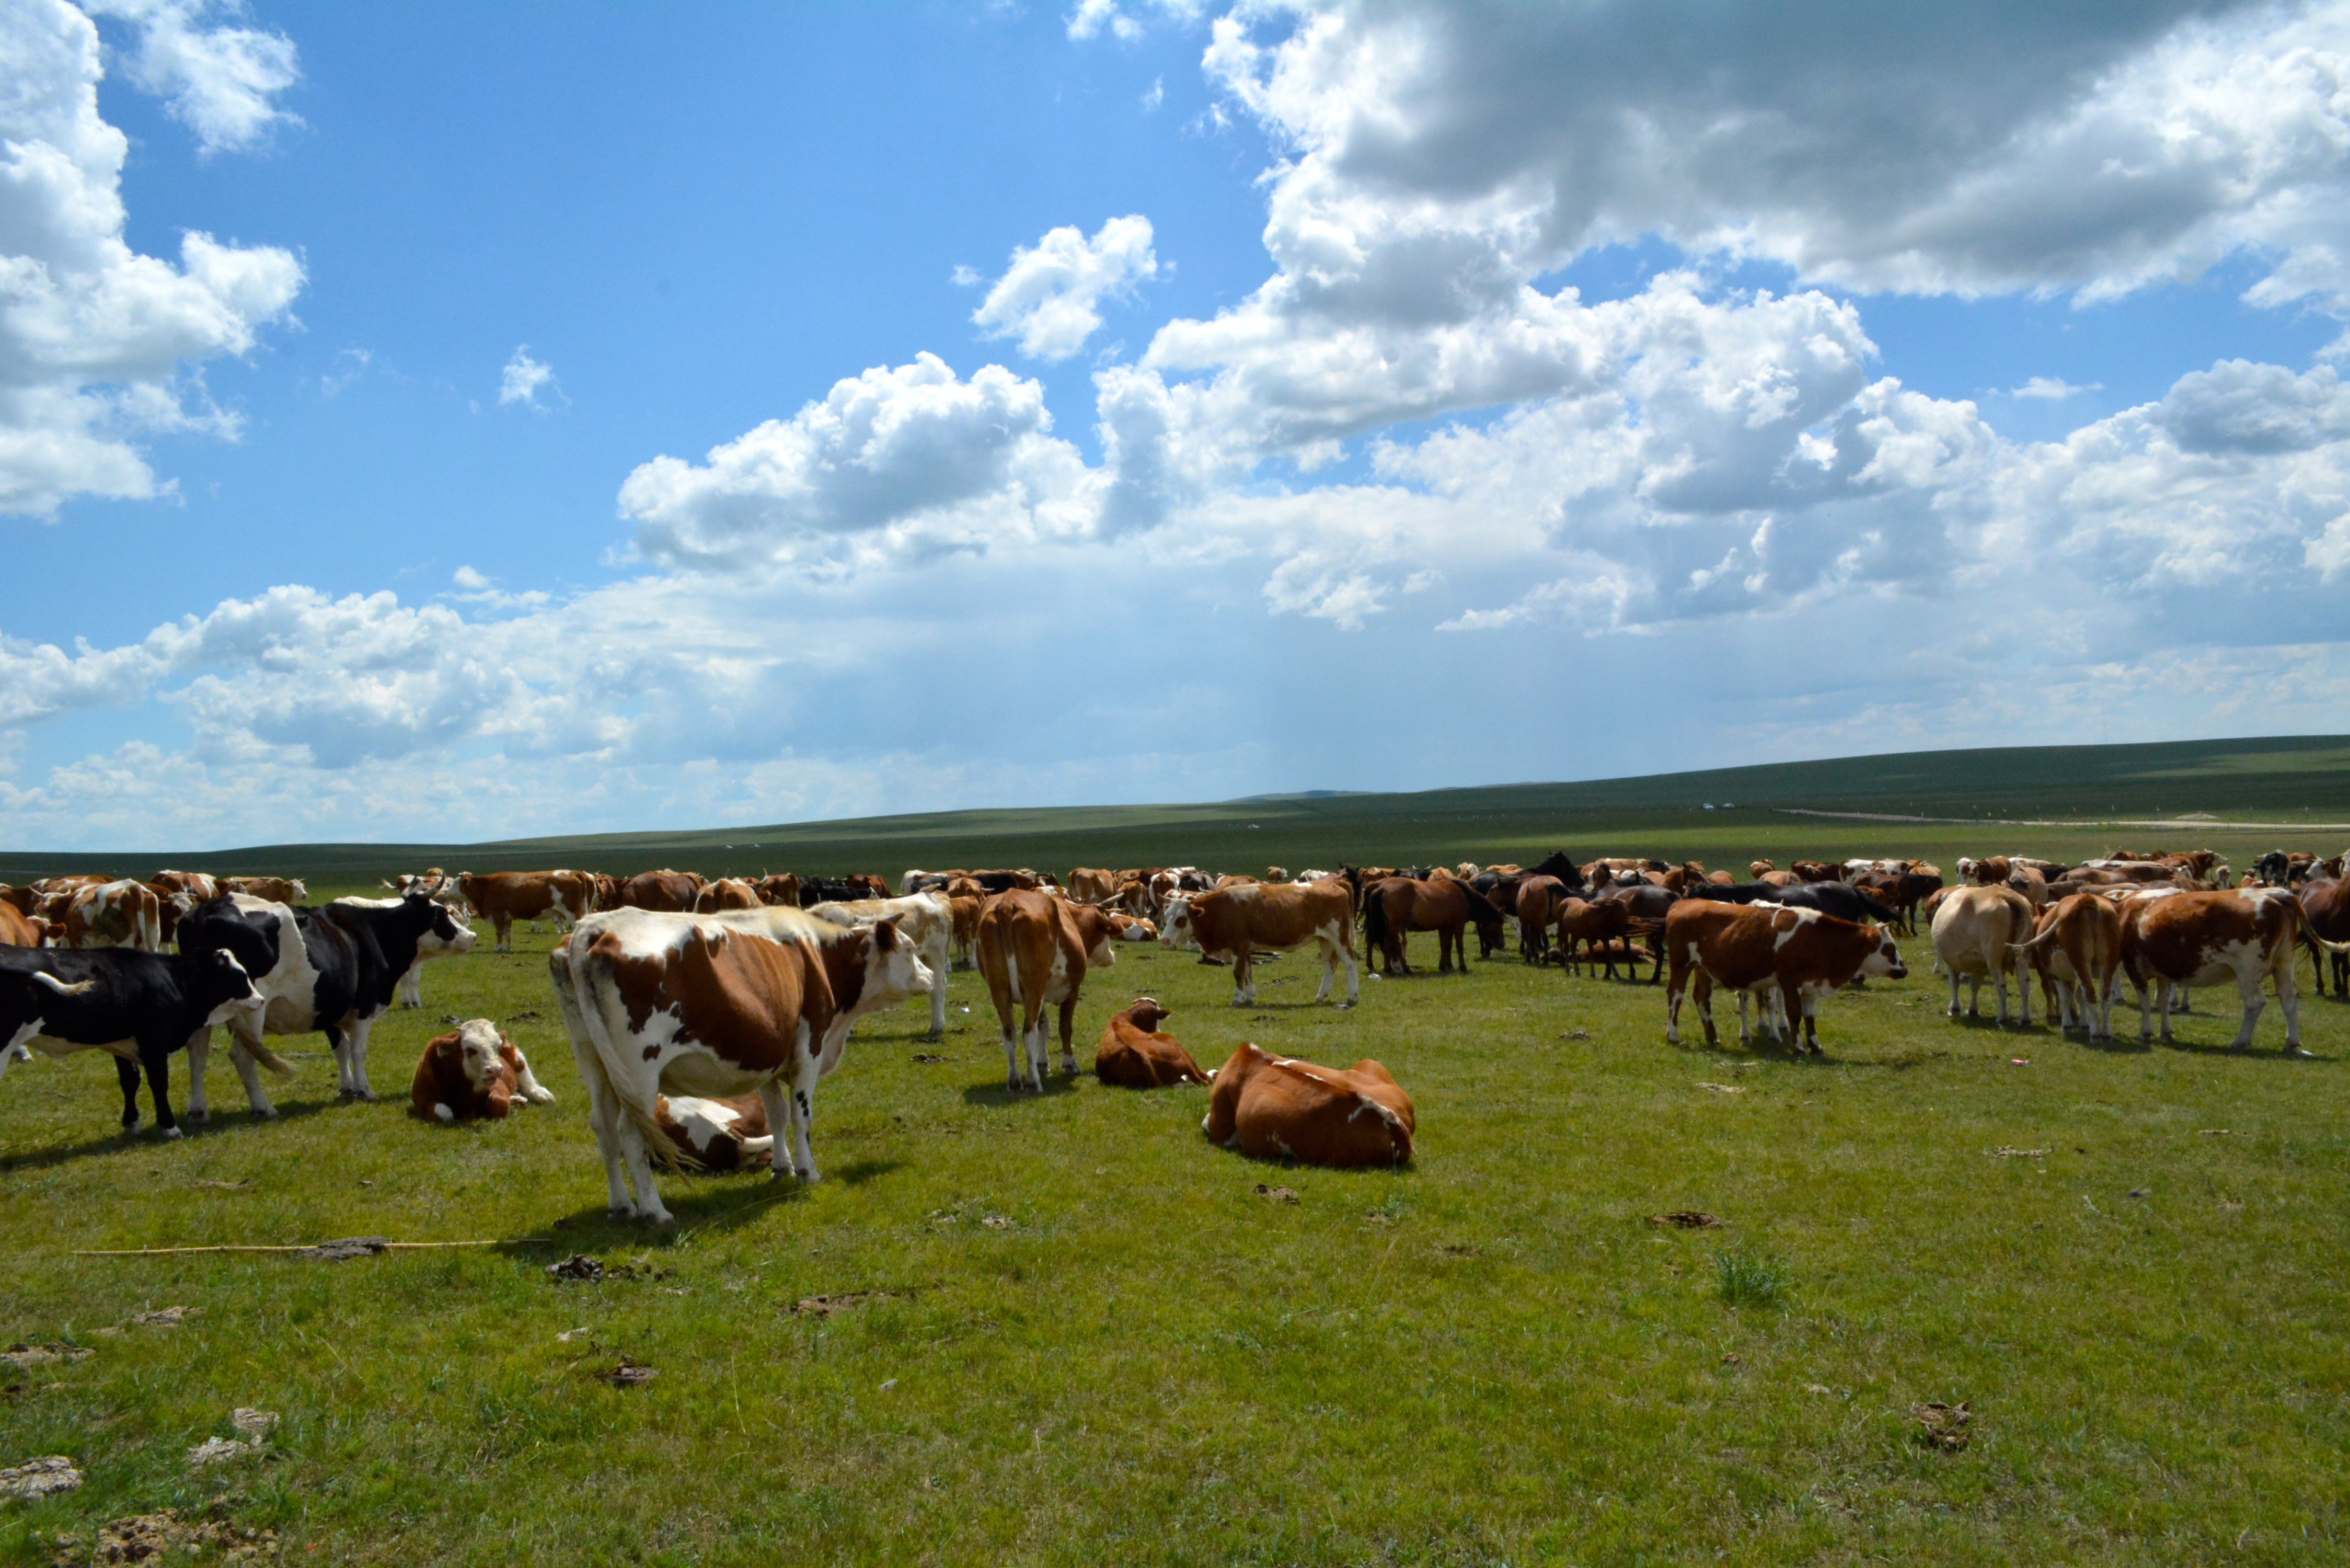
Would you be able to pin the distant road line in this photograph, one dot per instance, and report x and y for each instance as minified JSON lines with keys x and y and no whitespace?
{"x":2166,"y":824}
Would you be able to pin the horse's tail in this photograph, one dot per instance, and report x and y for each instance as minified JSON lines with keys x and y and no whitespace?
{"x":1375,"y":920}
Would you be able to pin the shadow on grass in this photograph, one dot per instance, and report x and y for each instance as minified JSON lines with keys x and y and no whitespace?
{"x":1057,"y":1083}
{"x":715,"y":1200}
{"x":223,"y":1122}
{"x":2255,"y":1052}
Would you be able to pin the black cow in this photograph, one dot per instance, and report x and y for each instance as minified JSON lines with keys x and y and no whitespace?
{"x":334,"y":970}
{"x":1841,"y":900}
{"x":139,"y":1006}
{"x":815,"y":891}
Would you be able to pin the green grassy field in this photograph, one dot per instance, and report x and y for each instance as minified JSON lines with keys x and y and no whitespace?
{"x":2292,"y":779}
{"x":1088,"y":1340}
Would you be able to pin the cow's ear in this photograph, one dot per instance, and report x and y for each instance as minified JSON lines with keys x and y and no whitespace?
{"x":885,"y":935}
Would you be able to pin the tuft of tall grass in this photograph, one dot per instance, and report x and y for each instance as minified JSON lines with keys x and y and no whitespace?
{"x":1750,"y":1279}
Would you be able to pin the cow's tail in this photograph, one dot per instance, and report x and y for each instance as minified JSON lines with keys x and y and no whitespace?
{"x":79,"y":988}
{"x":2308,"y":933}
{"x":151,"y":926}
{"x":598,"y":1007}
{"x":260,"y":1052}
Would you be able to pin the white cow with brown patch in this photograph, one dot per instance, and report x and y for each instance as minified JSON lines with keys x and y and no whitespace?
{"x":2203,"y":938}
{"x":926,"y":921}
{"x":1237,"y":922}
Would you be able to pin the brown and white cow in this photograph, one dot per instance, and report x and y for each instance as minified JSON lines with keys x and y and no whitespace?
{"x":1761,"y":949}
{"x":200,"y":886}
{"x":1235,"y":924}
{"x":276,"y":889}
{"x":716,"y":1135}
{"x":21,"y":931}
{"x":123,"y":914}
{"x":2201,"y":939}
{"x":727,"y":893}
{"x":1976,"y":931}
{"x":502,"y":897}
{"x":1034,"y":948}
{"x":2077,"y":948}
{"x":1134,"y":1054}
{"x":662,"y":892}
{"x":757,"y":1001}
{"x":472,"y":1073}
{"x":1278,"y":1107}
{"x":925,"y":922}
{"x":1090,"y":885}
{"x":780,"y":891}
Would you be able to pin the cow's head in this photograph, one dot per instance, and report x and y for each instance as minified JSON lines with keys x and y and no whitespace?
{"x":1139,"y":931}
{"x":1148,"y":1015}
{"x":1176,"y":930}
{"x":893,"y":969}
{"x":478,"y":1040}
{"x":441,"y":931}
{"x":1884,"y":962}
{"x":223,"y":987}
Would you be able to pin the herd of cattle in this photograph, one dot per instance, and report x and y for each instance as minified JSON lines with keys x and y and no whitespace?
{"x":703,"y":1014}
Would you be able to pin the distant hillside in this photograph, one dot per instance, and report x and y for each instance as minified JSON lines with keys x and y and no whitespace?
{"x":2298,"y":778}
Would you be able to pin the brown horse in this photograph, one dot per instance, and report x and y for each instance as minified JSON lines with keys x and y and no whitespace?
{"x":1537,"y":903}
{"x":1399,"y":905}
{"x":1582,"y":920}
{"x":1648,"y":906}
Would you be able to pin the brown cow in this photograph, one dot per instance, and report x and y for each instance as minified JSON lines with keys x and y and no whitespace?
{"x":965,"y":913}
{"x":2326,"y":903}
{"x":727,"y":893}
{"x":2077,"y":950}
{"x":2202,"y":939}
{"x":1273,"y":1107}
{"x":1800,"y":954}
{"x":1235,"y":924}
{"x":1816,"y":871}
{"x":780,"y":891}
{"x":276,"y":889}
{"x":21,"y":931}
{"x":472,"y":1071}
{"x":716,"y":1135}
{"x":1134,"y":1054}
{"x":199,"y":888}
{"x":1034,"y":948}
{"x":1091,"y":886}
{"x":502,"y":897}
{"x":1976,"y":931}
{"x":662,"y":892}
{"x":1758,"y":870}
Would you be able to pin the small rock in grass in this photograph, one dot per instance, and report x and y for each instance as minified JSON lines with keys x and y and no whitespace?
{"x":40,"y":1477}
{"x":254,"y":1424}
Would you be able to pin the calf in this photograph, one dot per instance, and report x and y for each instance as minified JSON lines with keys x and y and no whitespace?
{"x":1134,"y":1054}
{"x":752,"y":1001}
{"x":138,"y":1006}
{"x":1034,"y":948}
{"x":472,"y":1071}
{"x":1976,"y":933}
{"x":1236,"y":923}
{"x":1801,"y":954}
{"x":716,"y":1135}
{"x":1274,"y":1107}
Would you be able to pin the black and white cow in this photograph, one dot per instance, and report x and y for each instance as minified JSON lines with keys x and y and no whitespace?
{"x":430,"y":945}
{"x":139,"y":1006}
{"x":333,"y":971}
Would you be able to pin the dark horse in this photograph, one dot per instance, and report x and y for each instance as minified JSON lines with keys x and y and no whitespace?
{"x":1399,"y":905}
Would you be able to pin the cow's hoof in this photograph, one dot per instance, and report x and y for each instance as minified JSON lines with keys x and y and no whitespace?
{"x":2297,"y":1051}
{"x":198,"y":1117}
{"x":810,"y":1177}
{"x":264,"y":1113}
{"x":168,"y":1133}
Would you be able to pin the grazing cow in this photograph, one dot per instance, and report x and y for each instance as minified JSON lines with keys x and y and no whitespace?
{"x":780,"y":891}
{"x":1976,"y":932}
{"x":1280,"y":874}
{"x":726,"y":893}
{"x":428,"y":881}
{"x":430,"y":945}
{"x":123,"y":914}
{"x":502,"y":897}
{"x":2026,"y":880}
{"x":1758,"y":870}
{"x":1401,"y":905}
{"x":1134,"y":1054}
{"x":608,"y":892}
{"x":1034,"y":948}
{"x":334,"y":970}
{"x":473,"y":1072}
{"x":661,"y":892}
{"x":716,"y":1135}
{"x":2078,"y":949}
{"x":2202,"y":939}
{"x":756,"y":1001}
{"x":276,"y":889}
{"x":138,"y":1006}
{"x":1778,"y":879}
{"x":1237,"y":923}
{"x":2326,"y":903}
{"x":925,"y":922}
{"x":1537,"y":905}
{"x":1800,"y":954}
{"x":1276,"y":1108}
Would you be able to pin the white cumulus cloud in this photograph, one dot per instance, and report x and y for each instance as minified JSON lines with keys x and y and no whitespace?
{"x":524,"y":377}
{"x":1049,"y":296}
{"x":221,"y":80}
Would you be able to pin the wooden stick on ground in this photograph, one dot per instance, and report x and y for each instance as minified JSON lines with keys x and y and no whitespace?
{"x":233,"y":1247}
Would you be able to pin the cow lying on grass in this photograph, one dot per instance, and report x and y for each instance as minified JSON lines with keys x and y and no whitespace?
{"x":1276,"y":1108}
{"x":716,"y":1135}
{"x":1133,"y":1055}
{"x":472,"y":1073}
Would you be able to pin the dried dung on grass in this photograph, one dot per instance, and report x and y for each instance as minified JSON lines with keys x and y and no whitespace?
{"x":343,"y":1250}
{"x":26,"y":1357}
{"x":841,"y":1300}
{"x":580,"y":1266}
{"x":165,"y":1536}
{"x":929,"y":1058}
{"x":2004,"y":1152}
{"x":629,"y":1375}
{"x":1276,"y":1194}
{"x":162,"y":1317}
{"x":1687,"y":1220}
{"x":1942,"y":1426}
{"x":40,"y":1477}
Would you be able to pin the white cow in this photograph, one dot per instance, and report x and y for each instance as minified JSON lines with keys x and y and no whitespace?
{"x":1976,"y":931}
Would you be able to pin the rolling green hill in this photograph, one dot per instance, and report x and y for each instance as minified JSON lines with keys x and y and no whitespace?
{"x":2067,"y":793}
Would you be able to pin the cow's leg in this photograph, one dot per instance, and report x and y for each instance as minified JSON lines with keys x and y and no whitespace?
{"x":199,"y":1049}
{"x":2024,"y":998}
{"x":1244,"y":973}
{"x":2247,"y":986}
{"x":1068,"y":1025}
{"x":411,"y":985}
{"x":1673,"y":991}
{"x":358,"y":1054}
{"x":1032,"y":1034}
{"x":156,"y":1057}
{"x":637,"y":1155}
{"x":804,"y":1117}
{"x":1012,"y":1078}
{"x":939,"y":997}
{"x":126,"y":1074}
{"x":2162,"y":989}
{"x":2288,"y":990}
{"x":1954,"y":993}
{"x":1702,"y":992}
{"x":1745,"y":1036}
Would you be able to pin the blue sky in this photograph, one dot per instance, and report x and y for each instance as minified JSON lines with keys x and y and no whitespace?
{"x":937,"y":406}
